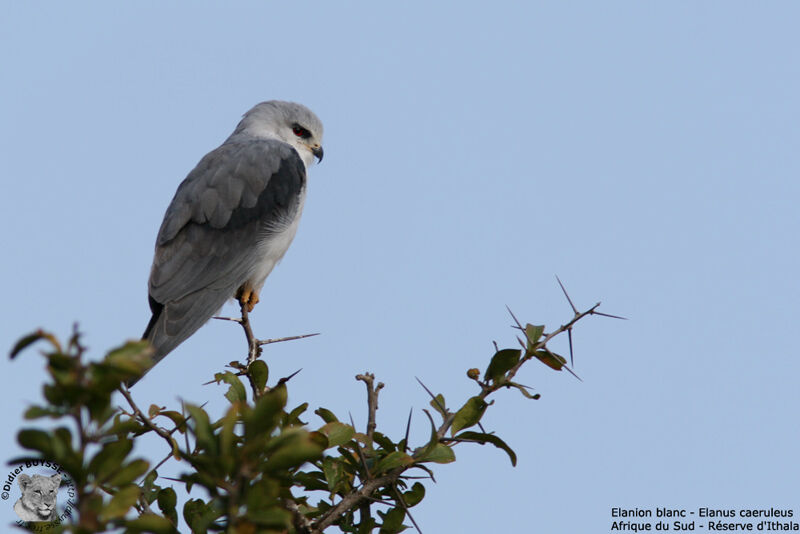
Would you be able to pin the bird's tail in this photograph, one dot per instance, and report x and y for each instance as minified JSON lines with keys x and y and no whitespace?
{"x":171,"y":324}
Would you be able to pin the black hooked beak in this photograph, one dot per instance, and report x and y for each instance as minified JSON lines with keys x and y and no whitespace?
{"x":318,"y":153}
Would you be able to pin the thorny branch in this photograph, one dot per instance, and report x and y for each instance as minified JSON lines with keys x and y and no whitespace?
{"x":254,"y":345}
{"x":352,"y":499}
{"x":358,"y":496}
{"x":372,"y":402}
{"x":147,"y":421}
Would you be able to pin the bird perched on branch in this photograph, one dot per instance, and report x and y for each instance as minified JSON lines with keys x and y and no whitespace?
{"x":231,"y":220}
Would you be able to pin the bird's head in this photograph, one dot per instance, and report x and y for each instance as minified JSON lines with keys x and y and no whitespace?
{"x":289,"y":122}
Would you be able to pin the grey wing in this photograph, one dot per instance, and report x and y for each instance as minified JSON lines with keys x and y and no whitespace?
{"x":206,"y":247}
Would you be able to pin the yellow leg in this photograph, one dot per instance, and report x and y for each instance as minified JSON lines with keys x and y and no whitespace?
{"x":247,"y":297}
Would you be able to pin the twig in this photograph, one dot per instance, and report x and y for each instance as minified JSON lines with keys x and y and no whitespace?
{"x":253,"y":348}
{"x":372,"y":402}
{"x":361,"y":453}
{"x":162,"y":462}
{"x":399,"y":498}
{"x":541,"y":344}
{"x":301,"y":522}
{"x":147,"y":421}
{"x":446,"y":415}
{"x":351,"y":499}
{"x":282,"y":339}
{"x":357,"y":498}
{"x":183,"y":413}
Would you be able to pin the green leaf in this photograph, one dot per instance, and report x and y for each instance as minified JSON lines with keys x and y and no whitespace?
{"x":35,"y":412}
{"x":150,"y":523}
{"x":326,"y":415}
{"x":392,"y":521}
{"x":384,"y":442}
{"x":227,"y":437}
{"x":393,"y":460}
{"x":264,"y":416}
{"x":260,"y":373}
{"x":132,"y":359}
{"x":296,"y":447}
{"x":421,"y":452}
{"x":167,"y":500}
{"x":415,"y":495}
{"x":31,"y":339}
{"x":199,"y":515}
{"x":236,"y":392}
{"x":314,"y":480}
{"x":438,"y":404}
{"x":108,"y":460}
{"x":532,"y":334}
{"x":335,"y":474}
{"x":550,"y":359}
{"x":202,"y":429}
{"x":124,"y":426}
{"x":62,"y":444}
{"x":337,"y":433}
{"x":120,"y":503}
{"x":293,"y":418}
{"x":480,"y":437}
{"x":129,"y":473}
{"x":177,"y":419}
{"x":441,"y":454}
{"x":273,"y":516}
{"x":36,"y":440}
{"x":502,"y":362}
{"x":469,"y":414}
{"x":149,"y":487}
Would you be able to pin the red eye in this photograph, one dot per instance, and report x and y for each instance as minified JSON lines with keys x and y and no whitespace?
{"x":299,"y":131}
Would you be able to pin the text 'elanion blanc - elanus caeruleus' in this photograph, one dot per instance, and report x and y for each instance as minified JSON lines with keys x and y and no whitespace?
{"x":231,"y":220}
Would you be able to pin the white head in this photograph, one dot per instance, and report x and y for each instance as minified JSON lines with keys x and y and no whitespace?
{"x":289,"y":122}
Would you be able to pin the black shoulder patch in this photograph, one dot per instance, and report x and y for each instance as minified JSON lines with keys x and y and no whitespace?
{"x":279,"y":197}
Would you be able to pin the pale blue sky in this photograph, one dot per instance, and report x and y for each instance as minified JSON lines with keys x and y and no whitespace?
{"x":644,"y":152}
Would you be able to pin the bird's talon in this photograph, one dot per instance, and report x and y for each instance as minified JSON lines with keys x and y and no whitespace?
{"x":252,"y":301}
{"x":247,"y":298}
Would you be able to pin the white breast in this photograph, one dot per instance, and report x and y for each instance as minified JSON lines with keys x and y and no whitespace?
{"x":271,"y":248}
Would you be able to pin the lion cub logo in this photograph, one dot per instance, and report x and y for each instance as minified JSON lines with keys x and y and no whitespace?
{"x":38,"y":501}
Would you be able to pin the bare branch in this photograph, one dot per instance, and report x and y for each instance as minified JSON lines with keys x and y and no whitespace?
{"x":234,"y":319}
{"x":541,"y":344}
{"x":301,"y":522}
{"x":253,"y":347}
{"x":360,"y":452}
{"x":352,"y":499}
{"x":147,"y":421}
{"x":282,"y":339}
{"x":399,"y":498}
{"x":372,"y":401}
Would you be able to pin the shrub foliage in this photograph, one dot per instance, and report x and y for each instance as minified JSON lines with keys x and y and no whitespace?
{"x":264,"y":469}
